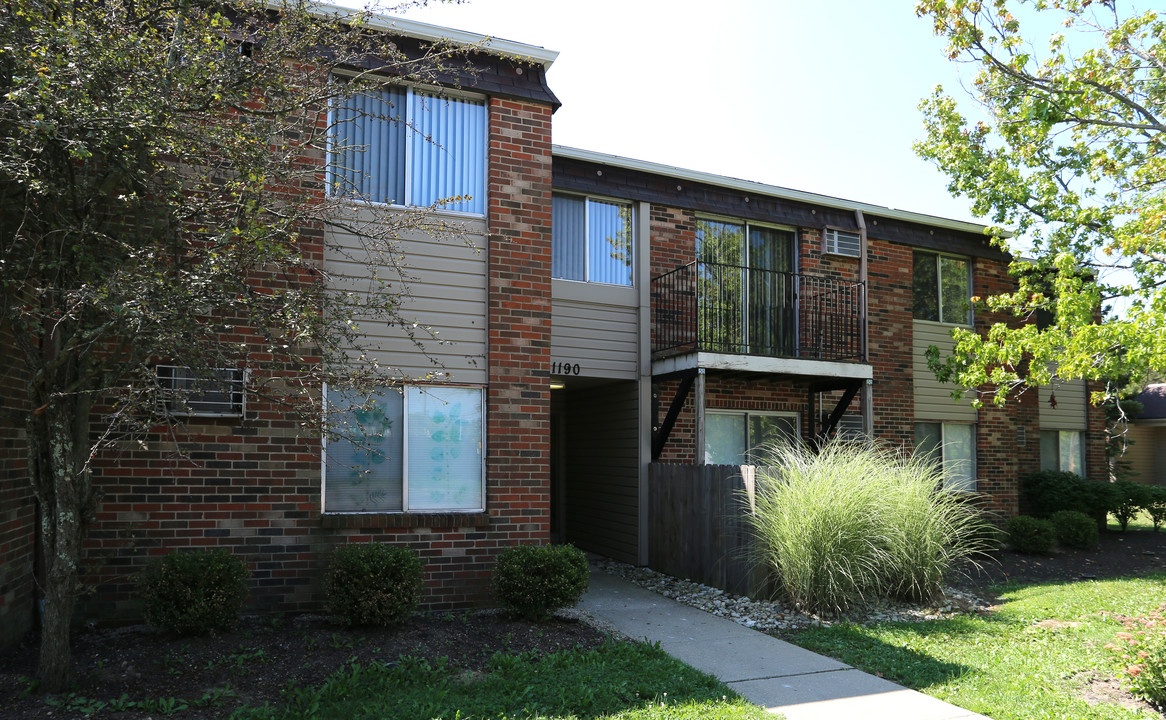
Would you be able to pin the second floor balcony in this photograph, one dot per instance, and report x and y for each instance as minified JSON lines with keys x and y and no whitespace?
{"x":730,"y":309}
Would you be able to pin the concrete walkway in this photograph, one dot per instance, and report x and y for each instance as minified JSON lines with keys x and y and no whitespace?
{"x":769,"y":672}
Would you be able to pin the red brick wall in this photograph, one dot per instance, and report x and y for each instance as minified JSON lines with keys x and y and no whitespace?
{"x":253,"y":485}
{"x":17,"y":510}
{"x":520,"y":322}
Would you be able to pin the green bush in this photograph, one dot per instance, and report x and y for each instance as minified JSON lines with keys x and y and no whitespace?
{"x":1127,"y":500}
{"x":194,"y":592}
{"x":372,"y":584}
{"x":1030,"y":535}
{"x":1075,"y":529}
{"x":1050,"y":491}
{"x":536,"y":580}
{"x":1156,"y":505}
{"x":853,"y":523}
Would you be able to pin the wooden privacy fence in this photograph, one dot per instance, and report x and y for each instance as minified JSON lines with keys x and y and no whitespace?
{"x":696,"y":525}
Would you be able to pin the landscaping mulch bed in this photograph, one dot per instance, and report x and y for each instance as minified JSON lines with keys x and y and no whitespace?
{"x":1129,"y":554}
{"x":252,"y":664}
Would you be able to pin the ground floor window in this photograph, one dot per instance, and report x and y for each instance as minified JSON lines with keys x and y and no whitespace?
{"x":739,"y":438}
{"x":954,"y":445}
{"x":1062,"y":450}
{"x":411,"y":449}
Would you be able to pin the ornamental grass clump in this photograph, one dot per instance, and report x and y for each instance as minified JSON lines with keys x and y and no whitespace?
{"x":855,"y":523}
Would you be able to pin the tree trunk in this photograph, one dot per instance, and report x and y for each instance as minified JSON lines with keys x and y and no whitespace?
{"x":58,"y":451}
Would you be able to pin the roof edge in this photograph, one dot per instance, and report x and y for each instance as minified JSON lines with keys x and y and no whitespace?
{"x":435,"y":33}
{"x":762,"y":188}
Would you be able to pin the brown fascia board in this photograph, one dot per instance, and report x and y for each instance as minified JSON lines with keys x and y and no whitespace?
{"x":586,"y":172}
{"x":493,"y":66}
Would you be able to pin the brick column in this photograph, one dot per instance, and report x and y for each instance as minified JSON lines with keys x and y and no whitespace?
{"x":518,"y":397}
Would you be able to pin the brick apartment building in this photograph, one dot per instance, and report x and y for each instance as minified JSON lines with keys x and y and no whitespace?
{"x":606,"y":314}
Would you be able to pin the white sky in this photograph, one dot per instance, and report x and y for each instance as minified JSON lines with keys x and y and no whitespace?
{"x":814,"y":95}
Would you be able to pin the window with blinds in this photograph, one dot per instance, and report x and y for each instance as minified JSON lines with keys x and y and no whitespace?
{"x":403,"y":146}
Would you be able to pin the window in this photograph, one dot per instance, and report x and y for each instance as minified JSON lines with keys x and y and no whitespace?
{"x":217,"y":393}
{"x":733,"y":438}
{"x":1062,"y":450}
{"x":591,"y":240}
{"x":406,"y":147}
{"x":954,"y":445}
{"x":841,"y":242}
{"x":419,"y":449}
{"x":942,"y":289}
{"x":746,"y":289}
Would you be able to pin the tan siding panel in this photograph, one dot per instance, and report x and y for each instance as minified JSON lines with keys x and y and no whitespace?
{"x":603,"y":339}
{"x":446,"y":282}
{"x":602,"y":461}
{"x":1070,"y":411}
{"x":933,"y":399}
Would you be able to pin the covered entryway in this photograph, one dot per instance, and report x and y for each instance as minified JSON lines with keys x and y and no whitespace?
{"x":595,"y":460}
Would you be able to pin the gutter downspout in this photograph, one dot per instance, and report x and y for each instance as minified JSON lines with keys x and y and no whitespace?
{"x":867,"y":386}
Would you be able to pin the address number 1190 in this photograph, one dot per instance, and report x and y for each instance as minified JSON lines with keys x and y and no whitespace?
{"x":564,"y":368}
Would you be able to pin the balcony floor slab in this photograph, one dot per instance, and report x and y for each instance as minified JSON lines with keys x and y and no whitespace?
{"x":757,"y":364}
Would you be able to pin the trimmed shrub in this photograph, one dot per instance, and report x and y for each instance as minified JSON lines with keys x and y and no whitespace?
{"x":1029,"y":535}
{"x":1127,"y":500}
{"x":856,"y":522}
{"x":372,"y":584}
{"x":1050,"y":491}
{"x":194,"y":592}
{"x":1075,"y":529}
{"x":536,"y":580}
{"x":1156,"y":505}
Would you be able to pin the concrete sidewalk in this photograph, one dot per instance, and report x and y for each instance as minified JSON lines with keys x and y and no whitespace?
{"x":769,"y":672}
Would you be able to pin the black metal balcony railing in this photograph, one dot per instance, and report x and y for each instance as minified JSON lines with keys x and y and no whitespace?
{"x":712,"y":307}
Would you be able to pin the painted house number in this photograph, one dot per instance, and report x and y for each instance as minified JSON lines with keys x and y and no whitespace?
{"x":564,"y":368}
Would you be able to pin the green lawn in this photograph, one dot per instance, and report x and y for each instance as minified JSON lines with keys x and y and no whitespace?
{"x":1028,"y":661}
{"x":618,"y":681}
{"x":1142,"y":521}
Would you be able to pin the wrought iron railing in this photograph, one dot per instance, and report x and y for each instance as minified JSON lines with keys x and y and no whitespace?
{"x":712,"y":307}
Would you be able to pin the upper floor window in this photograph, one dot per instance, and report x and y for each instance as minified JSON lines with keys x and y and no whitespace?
{"x":592,"y":240}
{"x":942,"y":288}
{"x":403,"y":146}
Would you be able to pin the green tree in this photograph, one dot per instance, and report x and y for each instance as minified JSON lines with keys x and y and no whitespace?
{"x":162,"y":185}
{"x":1070,"y":156}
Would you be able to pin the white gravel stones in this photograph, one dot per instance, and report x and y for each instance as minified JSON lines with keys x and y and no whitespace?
{"x":772,"y":616}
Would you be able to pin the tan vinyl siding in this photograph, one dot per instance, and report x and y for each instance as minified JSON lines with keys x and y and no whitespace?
{"x":1070,"y":411}
{"x":447,"y":291}
{"x":933,"y":399}
{"x":1147,"y":454}
{"x":602,"y":462}
{"x":597,"y":327}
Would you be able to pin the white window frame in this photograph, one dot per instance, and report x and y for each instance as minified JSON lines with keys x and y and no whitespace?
{"x":943,"y":446}
{"x":585,"y":197}
{"x":232,"y":381}
{"x":410,"y":133}
{"x":749,"y":444}
{"x":970,"y":320}
{"x":405,"y":510}
{"x":832,"y":245}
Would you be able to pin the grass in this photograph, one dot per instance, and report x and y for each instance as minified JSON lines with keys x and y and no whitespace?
{"x":1141,"y":521}
{"x":617,"y":681}
{"x":1029,"y":660}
